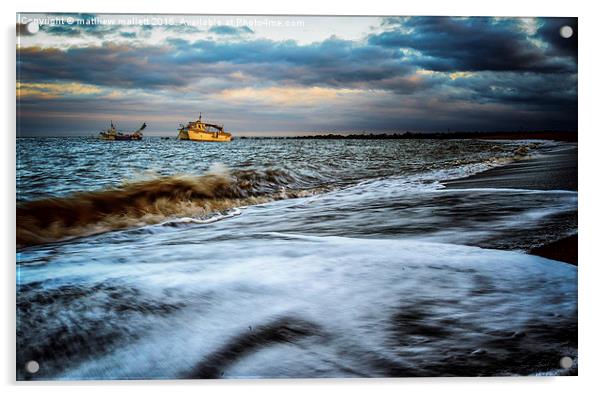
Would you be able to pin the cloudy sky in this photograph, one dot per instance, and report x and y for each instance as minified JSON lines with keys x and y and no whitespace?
{"x":285,"y":75}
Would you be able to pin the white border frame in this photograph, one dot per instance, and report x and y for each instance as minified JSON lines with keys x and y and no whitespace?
{"x":589,"y":143}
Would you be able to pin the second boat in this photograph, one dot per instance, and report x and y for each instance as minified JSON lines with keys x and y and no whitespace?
{"x":200,"y":131}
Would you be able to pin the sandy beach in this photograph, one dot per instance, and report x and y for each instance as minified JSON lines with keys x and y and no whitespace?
{"x":555,"y":169}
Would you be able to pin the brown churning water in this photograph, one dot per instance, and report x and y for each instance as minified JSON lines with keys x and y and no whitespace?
{"x":146,"y":202}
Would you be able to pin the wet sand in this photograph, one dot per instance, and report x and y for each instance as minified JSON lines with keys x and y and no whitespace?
{"x":554,"y":170}
{"x":564,"y":249}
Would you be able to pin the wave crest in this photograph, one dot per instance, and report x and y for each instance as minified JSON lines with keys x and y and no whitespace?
{"x":142,"y":202}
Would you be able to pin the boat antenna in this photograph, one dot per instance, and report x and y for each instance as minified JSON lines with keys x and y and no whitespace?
{"x":200,"y":115}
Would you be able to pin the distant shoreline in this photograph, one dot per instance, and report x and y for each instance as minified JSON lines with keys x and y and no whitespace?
{"x":566,"y":136}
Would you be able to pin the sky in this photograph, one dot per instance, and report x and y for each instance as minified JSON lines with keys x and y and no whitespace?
{"x":287,"y":75}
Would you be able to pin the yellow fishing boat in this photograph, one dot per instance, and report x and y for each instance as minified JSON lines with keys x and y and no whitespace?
{"x":200,"y":131}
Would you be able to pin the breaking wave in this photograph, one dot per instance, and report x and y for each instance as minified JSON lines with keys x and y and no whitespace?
{"x":151,"y":201}
{"x":197,"y":199}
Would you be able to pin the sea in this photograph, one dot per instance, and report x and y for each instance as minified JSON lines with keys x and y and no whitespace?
{"x":287,"y":258}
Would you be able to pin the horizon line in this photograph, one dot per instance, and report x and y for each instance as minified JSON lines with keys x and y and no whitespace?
{"x":268,"y":134}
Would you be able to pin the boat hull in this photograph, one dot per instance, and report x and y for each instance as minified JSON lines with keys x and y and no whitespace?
{"x":127,"y":137}
{"x":205,"y":136}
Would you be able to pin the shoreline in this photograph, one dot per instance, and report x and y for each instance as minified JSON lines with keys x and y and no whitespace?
{"x":564,"y":136}
{"x":553,"y":170}
{"x":565,"y":250}
{"x":560,"y":136}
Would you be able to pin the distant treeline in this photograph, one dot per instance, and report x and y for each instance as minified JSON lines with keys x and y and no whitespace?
{"x":570,"y":136}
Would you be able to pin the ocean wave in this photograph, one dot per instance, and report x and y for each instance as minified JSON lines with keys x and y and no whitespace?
{"x":151,"y":201}
{"x":203,"y":199}
{"x":290,"y":305}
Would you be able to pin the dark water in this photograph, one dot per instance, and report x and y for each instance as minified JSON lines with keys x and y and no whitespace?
{"x":296,"y":258}
{"x":59,"y":166}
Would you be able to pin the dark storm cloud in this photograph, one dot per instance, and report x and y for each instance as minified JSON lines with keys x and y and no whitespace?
{"x":108,"y":65}
{"x":78,"y":30}
{"x":332,"y":62}
{"x":559,"y":45}
{"x":62,"y":30}
{"x":180,"y":28}
{"x":437,"y":73}
{"x":231,"y":30}
{"x":555,"y":91}
{"x":102,"y":31}
{"x":476,"y":44}
{"x":426,"y":114}
{"x":443,"y":44}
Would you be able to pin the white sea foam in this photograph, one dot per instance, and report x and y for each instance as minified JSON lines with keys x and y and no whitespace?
{"x":394,"y":293}
{"x":351,"y":290}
